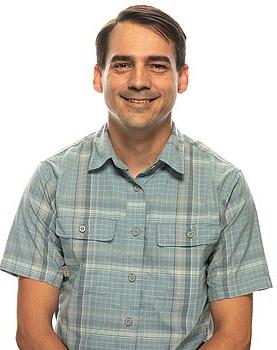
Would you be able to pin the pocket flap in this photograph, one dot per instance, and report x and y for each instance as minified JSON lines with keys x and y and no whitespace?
{"x":98,"y":229}
{"x":187,"y":235}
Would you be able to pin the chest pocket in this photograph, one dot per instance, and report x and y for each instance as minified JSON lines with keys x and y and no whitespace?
{"x":88,"y":249}
{"x":83,"y":240}
{"x":183,"y":253}
{"x":188,"y":245}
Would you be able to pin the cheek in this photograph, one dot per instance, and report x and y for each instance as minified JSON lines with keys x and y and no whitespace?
{"x":109,"y":92}
{"x":167,"y":86}
{"x":170,"y":95}
{"x":112,"y":98}
{"x":116,"y":81}
{"x":113,"y":89}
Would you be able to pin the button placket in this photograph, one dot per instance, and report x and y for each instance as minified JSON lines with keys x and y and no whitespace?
{"x":136,"y":218}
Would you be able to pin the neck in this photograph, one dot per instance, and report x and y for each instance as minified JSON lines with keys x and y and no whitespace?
{"x":138,"y":148}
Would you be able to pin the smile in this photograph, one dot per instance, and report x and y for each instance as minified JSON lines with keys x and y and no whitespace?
{"x":139,"y":101}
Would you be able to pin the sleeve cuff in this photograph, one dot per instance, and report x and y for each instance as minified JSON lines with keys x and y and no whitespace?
{"x":246,"y":283}
{"x":16,"y":270}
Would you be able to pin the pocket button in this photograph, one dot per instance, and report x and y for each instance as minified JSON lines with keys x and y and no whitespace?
{"x":190,"y":234}
{"x":82,"y":228}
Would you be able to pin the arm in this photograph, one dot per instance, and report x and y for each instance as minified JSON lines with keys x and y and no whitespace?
{"x":36,"y":304}
{"x":232,"y":324}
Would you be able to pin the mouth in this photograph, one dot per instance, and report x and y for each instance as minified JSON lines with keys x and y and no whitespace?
{"x":141,"y":101}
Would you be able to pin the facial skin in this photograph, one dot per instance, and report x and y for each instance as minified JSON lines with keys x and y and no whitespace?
{"x":140,"y":80}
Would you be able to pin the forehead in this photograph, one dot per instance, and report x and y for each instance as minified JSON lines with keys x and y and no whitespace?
{"x":136,"y":40}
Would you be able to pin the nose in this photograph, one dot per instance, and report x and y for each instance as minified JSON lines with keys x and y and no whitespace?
{"x":139,"y":78}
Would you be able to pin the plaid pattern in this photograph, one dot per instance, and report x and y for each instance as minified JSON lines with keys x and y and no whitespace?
{"x":138,"y":260}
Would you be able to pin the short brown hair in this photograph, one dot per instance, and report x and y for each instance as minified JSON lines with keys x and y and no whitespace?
{"x":149,"y":16}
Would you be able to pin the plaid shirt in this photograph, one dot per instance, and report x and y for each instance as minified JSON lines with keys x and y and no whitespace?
{"x":137,"y":260}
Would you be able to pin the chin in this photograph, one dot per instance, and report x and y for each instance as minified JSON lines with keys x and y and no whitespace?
{"x":135,"y":122}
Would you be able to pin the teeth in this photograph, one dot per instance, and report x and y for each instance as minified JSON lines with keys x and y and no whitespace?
{"x":139,"y":101}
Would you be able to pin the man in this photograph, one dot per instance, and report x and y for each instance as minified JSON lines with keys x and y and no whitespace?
{"x":137,"y":236}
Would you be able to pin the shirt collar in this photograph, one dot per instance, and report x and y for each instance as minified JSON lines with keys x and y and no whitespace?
{"x":172,"y":153}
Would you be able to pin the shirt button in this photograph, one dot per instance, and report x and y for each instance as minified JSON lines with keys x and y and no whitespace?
{"x":190,"y":234}
{"x":136,"y":188}
{"x":131,"y":277}
{"x":82,"y":228}
{"x":135,"y":231}
{"x":128,"y":321}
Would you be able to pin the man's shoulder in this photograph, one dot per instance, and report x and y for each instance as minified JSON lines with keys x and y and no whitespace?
{"x":67,"y":157}
{"x":203,"y":151}
{"x":209,"y":163}
{"x":74,"y":149}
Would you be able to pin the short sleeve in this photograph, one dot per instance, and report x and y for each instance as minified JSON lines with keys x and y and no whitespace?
{"x":237,"y":265}
{"x":33,"y":249}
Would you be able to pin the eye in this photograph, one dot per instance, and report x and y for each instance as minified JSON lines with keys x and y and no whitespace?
{"x":122,"y":66}
{"x":157,"y":67}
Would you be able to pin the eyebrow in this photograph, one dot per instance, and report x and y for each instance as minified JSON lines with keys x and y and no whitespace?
{"x":159,"y":58}
{"x":121,"y":58}
{"x":125,"y":58}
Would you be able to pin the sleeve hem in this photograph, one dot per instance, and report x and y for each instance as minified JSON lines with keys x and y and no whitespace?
{"x":17,"y":271}
{"x":225,"y":293}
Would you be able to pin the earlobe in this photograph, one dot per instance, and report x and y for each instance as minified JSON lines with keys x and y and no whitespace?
{"x":183,"y":79}
{"x":97,"y":82}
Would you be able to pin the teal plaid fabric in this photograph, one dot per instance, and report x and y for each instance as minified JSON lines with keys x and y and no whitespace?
{"x":137,"y":260}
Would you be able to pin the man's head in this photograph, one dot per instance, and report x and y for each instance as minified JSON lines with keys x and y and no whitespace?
{"x":140,"y":66}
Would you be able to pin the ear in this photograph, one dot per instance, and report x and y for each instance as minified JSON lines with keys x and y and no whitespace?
{"x":183,"y":79}
{"x":97,"y":79}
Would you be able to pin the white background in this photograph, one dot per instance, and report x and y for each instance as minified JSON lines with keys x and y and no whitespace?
{"x":47,"y":102}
